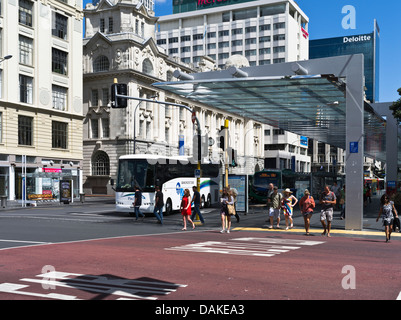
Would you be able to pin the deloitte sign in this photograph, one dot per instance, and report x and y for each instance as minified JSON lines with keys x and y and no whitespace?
{"x":361,"y":38}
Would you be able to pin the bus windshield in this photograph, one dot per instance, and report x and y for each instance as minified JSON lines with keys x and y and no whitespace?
{"x":135,"y":173}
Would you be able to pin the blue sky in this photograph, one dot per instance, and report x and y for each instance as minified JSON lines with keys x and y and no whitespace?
{"x":325,"y":17}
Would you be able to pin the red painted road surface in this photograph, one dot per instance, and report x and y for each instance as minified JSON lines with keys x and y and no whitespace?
{"x":204,"y":265}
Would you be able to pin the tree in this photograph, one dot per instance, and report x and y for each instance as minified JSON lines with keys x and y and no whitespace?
{"x":396,"y":107}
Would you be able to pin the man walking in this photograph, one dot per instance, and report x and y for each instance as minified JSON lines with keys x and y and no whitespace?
{"x":159,"y":203}
{"x":275,"y":207}
{"x":327,"y":200}
{"x":197,"y":202}
{"x":138,"y":202}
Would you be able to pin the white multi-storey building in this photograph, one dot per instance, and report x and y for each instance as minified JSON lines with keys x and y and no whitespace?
{"x":286,"y":150}
{"x":40,"y":97}
{"x":264,"y":31}
{"x":120,"y":43}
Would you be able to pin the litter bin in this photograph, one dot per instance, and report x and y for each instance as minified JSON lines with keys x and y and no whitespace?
{"x":82,"y":197}
{"x":3,"y":201}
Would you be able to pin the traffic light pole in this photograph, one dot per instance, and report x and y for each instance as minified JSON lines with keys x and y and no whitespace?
{"x":117,"y":95}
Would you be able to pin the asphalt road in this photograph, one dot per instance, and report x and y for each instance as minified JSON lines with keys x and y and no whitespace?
{"x":91,"y":252}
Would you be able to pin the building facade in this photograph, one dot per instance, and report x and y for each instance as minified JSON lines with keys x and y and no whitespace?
{"x":286,"y":150}
{"x":128,"y":51}
{"x":264,"y":31}
{"x":368,"y":44}
{"x":40,"y":98}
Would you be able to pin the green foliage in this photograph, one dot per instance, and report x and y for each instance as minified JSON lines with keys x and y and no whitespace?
{"x":396,"y":107}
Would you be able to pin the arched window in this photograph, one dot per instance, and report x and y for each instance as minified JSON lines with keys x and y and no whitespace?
{"x":101,"y":64}
{"x":100,"y":164}
{"x":147,"y":67}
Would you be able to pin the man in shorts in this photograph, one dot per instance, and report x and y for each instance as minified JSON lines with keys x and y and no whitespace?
{"x":327,"y":200}
{"x":275,"y":207}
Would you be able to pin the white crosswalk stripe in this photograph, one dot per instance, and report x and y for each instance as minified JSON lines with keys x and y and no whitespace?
{"x":262,"y":247}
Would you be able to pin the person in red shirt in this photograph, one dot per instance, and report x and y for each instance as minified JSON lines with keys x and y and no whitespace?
{"x":307,"y":204}
{"x":186,"y":209}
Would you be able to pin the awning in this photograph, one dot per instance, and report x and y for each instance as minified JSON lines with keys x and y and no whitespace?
{"x":309,"y":105}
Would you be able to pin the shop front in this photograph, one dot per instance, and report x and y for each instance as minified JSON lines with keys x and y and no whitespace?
{"x":43,"y":184}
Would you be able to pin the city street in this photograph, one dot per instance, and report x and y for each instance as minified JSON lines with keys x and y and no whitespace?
{"x":90,"y":252}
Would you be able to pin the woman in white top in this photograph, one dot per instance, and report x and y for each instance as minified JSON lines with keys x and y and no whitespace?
{"x":226,"y":199}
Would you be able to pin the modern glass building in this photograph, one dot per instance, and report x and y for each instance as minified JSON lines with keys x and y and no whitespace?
{"x":367,"y":44}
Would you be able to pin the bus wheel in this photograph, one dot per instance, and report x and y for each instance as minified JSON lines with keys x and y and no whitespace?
{"x":203,"y":202}
{"x":169,"y":207}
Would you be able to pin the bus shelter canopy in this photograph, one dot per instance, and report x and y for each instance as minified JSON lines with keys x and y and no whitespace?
{"x":309,"y":105}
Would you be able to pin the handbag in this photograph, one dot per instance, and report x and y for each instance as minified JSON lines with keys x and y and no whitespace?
{"x":231,"y":209}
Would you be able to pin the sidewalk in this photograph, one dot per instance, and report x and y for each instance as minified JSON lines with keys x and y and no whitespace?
{"x":370,"y":226}
{"x":89,"y":199}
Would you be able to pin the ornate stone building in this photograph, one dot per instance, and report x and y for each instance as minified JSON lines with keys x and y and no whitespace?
{"x":120,"y":43}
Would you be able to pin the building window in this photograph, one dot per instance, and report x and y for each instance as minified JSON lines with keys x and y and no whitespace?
{"x":101,"y":64}
{"x":59,"y":61}
{"x":280,"y":25}
{"x":147,"y":67}
{"x":59,"y":135}
{"x":25,"y":128}
{"x":100,"y":164}
{"x":102,"y":25}
{"x":25,"y":12}
{"x":279,"y":49}
{"x":25,"y":89}
{"x":105,"y":128}
{"x":106,"y":97}
{"x":264,"y":51}
{"x":111,"y":24}
{"x":25,"y":50}
{"x":59,"y":98}
{"x":95,"y":98}
{"x":94,"y":128}
{"x":236,"y":31}
{"x":60,"y":26}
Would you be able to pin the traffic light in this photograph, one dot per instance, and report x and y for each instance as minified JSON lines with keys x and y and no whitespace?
{"x":121,"y":89}
{"x":233,"y":162}
{"x":221,"y":143}
{"x":221,"y":138}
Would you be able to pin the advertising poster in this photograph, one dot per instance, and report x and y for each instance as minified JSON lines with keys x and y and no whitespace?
{"x":240,"y":183}
{"x":65,"y":191}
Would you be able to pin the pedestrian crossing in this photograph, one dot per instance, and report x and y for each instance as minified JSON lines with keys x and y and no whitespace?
{"x":77,"y":286}
{"x":259,"y":247}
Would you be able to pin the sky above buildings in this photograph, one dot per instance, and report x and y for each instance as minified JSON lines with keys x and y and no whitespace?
{"x":336,"y":18}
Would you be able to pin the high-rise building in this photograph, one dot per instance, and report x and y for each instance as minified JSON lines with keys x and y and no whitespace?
{"x":368,"y":44}
{"x":264,"y":31}
{"x":40,"y":98}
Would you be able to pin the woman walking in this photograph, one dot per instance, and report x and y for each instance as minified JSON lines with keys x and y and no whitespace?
{"x":388,"y":211}
{"x":287,"y":204}
{"x":225,"y":200}
{"x":307,"y":204}
{"x":186,"y":209}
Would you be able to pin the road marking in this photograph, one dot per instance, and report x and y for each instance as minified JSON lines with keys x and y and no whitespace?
{"x":399,"y":296}
{"x":120,"y":289}
{"x":260,"y":247}
{"x":23,"y":241}
{"x":319,"y":231}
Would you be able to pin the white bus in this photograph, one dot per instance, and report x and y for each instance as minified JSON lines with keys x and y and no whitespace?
{"x":172,"y":174}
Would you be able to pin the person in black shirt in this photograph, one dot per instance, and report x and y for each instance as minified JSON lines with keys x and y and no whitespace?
{"x":138,"y":202}
{"x":159,"y":203}
{"x":197,"y":202}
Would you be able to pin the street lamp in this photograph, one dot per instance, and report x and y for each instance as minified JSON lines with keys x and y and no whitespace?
{"x":6,"y":58}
